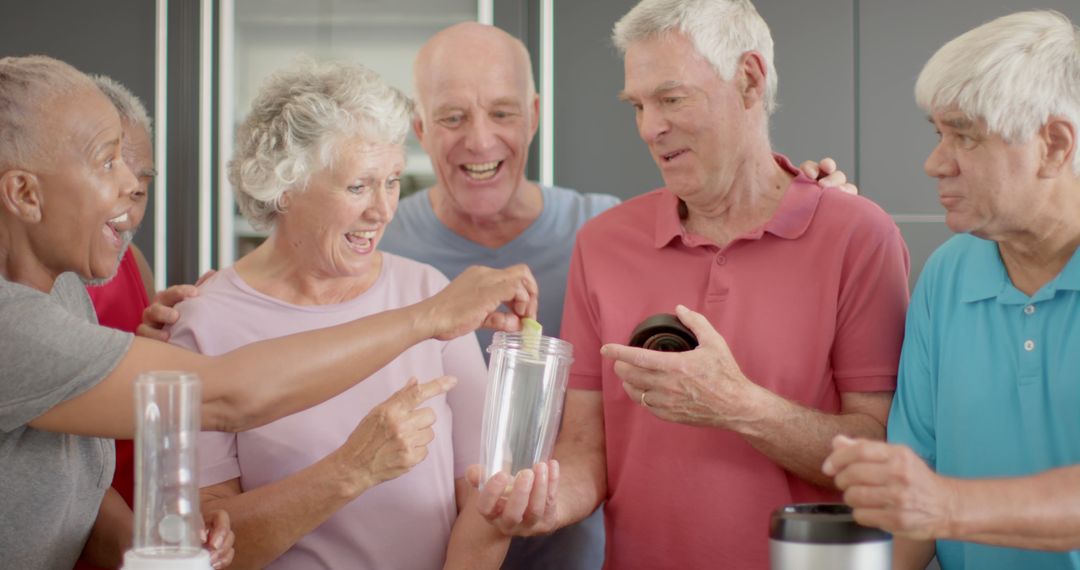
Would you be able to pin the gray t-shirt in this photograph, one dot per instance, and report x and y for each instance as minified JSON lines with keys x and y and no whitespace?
{"x":51,"y":484}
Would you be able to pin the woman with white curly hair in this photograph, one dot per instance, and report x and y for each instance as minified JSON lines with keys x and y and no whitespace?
{"x":318,"y":163}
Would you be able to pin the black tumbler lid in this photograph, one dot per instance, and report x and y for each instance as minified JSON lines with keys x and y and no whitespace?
{"x":821,"y":523}
{"x":663,"y":332}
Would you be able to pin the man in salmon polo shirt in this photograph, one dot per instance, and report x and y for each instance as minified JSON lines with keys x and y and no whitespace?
{"x":796,"y":294}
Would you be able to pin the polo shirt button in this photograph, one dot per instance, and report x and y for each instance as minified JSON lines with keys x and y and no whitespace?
{"x":1029,"y":310}
{"x":1029,"y":345}
{"x":720,"y":260}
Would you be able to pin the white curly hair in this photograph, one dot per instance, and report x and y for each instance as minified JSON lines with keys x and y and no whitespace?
{"x":296,"y":122}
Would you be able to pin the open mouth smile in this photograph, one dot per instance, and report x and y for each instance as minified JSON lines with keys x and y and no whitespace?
{"x":362,"y":241}
{"x":114,"y":228}
{"x":481,"y":170}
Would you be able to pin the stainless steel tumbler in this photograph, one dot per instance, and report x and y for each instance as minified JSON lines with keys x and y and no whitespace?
{"x":825,"y":536}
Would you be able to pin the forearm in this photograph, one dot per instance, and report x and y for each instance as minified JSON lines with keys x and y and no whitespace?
{"x":252,"y":385}
{"x":474,"y":543}
{"x":1040,"y":512}
{"x":581,"y":453}
{"x":799,"y":438}
{"x":270,"y":379}
{"x":582,"y":485}
{"x":111,"y":534}
{"x":269,"y":520}
{"x":909,"y":554}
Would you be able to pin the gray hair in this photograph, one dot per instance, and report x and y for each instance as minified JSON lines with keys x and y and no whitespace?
{"x":296,"y":121}
{"x":27,"y":84}
{"x":1013,"y":72}
{"x":130,"y":108}
{"x":720,"y":30}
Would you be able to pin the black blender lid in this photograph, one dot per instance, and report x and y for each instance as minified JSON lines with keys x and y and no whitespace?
{"x":821,"y":523}
{"x":663,"y":332}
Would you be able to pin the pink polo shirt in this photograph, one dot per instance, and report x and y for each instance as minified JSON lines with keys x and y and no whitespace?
{"x":812,"y":304}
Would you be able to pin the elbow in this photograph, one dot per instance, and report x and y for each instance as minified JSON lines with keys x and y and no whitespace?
{"x":228,"y":414}
{"x":228,"y":406}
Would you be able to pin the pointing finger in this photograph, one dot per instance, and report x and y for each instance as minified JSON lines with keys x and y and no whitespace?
{"x":419,"y":394}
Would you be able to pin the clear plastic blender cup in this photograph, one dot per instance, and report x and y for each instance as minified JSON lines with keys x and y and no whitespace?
{"x":524,"y":402}
{"x":167,"y":519}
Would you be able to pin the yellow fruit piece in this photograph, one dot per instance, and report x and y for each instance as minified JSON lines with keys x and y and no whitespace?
{"x":531,"y":327}
{"x":531,"y":330}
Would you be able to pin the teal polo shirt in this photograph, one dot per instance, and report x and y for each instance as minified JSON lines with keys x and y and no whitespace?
{"x":989,"y":382}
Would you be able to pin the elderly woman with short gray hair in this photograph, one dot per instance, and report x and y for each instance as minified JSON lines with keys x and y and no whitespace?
{"x":318,"y":163}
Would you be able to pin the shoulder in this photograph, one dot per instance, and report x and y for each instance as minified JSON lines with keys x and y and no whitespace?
{"x":636,"y":214}
{"x":590,"y":204}
{"x":407,"y":272}
{"x":18,"y":302}
{"x":221,"y":315}
{"x":856,"y":213}
{"x":70,"y":291}
{"x":218,"y":293}
{"x":956,"y":249}
{"x":413,"y":225}
{"x":10,"y":290}
{"x":947,"y":278}
{"x":146,"y":274}
{"x":62,"y":321}
{"x":952,"y":259}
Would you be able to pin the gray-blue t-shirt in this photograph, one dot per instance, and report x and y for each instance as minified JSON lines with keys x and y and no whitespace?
{"x":51,"y":484}
{"x":545,"y":246}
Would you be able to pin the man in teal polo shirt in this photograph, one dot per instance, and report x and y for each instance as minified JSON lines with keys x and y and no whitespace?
{"x":985,"y":424}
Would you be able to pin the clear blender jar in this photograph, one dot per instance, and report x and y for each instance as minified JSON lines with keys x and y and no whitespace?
{"x":523,"y":407}
{"x":167,"y":519}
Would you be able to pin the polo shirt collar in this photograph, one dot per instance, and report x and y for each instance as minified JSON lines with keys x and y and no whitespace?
{"x":1069,"y":278}
{"x":791,"y":220}
{"x":985,"y":277}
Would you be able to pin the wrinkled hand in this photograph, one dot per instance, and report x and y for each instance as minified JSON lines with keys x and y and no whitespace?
{"x":524,"y":506}
{"x":828,"y":175}
{"x":218,"y":538}
{"x":393,"y":437}
{"x":892,"y":488}
{"x":472,"y":300}
{"x":702,"y":387}
{"x":161,"y":312}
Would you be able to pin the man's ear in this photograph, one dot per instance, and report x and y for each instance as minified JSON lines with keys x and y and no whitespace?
{"x":1059,"y":141}
{"x":752,"y":76}
{"x":418,"y":127}
{"x":535,"y":124}
{"x":20,"y":194}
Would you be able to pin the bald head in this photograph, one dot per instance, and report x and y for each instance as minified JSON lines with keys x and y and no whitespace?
{"x":27,"y":86}
{"x":477,"y":114}
{"x":454,"y":51}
